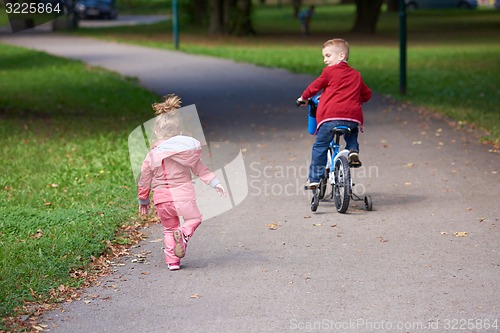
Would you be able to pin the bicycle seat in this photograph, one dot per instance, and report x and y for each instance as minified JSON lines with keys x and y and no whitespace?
{"x":341,"y":130}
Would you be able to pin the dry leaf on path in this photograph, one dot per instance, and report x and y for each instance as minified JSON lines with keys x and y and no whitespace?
{"x":382,"y":240}
{"x":272,"y":226}
{"x":158,"y":240}
{"x":460,"y":234}
{"x":195,"y":296}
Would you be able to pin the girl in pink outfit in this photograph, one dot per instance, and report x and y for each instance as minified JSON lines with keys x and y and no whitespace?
{"x":167,"y":171}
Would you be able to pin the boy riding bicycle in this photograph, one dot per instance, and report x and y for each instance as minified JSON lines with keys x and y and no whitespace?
{"x":343,"y":94}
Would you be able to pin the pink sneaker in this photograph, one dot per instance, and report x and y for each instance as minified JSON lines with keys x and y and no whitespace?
{"x":174,"y":267}
{"x":180,"y":244}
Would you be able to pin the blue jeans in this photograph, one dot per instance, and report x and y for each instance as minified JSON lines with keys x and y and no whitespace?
{"x":323,"y":139}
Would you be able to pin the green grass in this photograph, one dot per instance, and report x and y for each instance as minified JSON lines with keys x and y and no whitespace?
{"x":64,"y":126}
{"x":453,"y":55}
{"x":65,"y":169}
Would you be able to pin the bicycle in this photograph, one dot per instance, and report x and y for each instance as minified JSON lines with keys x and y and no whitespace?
{"x":339,"y":177}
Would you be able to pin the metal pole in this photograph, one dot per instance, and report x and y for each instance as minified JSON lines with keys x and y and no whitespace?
{"x":402,"y":47}
{"x":175,"y":23}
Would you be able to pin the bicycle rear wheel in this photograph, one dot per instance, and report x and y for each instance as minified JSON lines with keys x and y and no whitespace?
{"x":342,"y":186}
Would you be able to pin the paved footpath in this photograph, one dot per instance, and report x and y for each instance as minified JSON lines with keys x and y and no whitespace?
{"x":399,"y":267}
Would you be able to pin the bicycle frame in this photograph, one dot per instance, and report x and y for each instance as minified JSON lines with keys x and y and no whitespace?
{"x":334,"y":153}
{"x":337,"y":166}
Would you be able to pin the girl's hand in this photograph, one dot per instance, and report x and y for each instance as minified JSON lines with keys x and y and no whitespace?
{"x":221,"y":191}
{"x":143,"y":209}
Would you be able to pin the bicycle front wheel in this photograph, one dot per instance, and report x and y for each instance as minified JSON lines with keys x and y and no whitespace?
{"x":342,"y":186}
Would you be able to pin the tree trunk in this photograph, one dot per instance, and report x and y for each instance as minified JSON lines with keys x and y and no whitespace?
{"x":296,"y":4}
{"x":231,"y":17}
{"x":393,"y":5}
{"x":216,"y":26}
{"x":199,"y":11}
{"x":367,"y":14}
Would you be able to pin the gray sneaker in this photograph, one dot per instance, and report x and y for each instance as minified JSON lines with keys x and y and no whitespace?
{"x":353,"y":159}
{"x":311,"y":185}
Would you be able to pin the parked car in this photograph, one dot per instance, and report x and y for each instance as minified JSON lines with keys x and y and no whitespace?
{"x":103,"y":9}
{"x":440,"y":4}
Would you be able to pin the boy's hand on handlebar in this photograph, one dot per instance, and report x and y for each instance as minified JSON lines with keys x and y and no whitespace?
{"x":300,"y":101}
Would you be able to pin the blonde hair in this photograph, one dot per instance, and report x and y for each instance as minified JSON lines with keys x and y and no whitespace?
{"x":339,"y":44}
{"x":167,"y":122}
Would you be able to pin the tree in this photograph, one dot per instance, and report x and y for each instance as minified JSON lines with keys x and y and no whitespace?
{"x":296,"y":4}
{"x":367,"y":14}
{"x":231,"y":17}
{"x":393,"y":5}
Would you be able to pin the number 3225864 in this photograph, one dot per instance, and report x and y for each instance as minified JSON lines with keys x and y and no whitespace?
{"x":32,"y":8}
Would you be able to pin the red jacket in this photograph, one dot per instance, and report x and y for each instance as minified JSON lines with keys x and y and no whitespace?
{"x":344,"y":92}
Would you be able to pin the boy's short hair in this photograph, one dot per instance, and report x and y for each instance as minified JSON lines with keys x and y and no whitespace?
{"x":339,"y":44}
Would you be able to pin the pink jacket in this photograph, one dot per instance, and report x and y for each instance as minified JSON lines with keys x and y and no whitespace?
{"x":167,"y":171}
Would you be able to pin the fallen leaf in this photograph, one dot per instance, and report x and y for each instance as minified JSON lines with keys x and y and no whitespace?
{"x":460,"y":234}
{"x":408,"y":183}
{"x":481,"y":219}
{"x":272,"y":226}
{"x":444,"y":233}
{"x":307,"y":216}
{"x":156,"y":240}
{"x":409,"y":165}
{"x":146,"y":273}
{"x":417,"y":142}
{"x":38,"y":235}
{"x":316,"y":224}
{"x":382,"y":240}
{"x":195,"y":296}
{"x":86,"y":301}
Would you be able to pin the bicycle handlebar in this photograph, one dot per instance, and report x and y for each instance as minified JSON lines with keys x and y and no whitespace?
{"x":300,"y":103}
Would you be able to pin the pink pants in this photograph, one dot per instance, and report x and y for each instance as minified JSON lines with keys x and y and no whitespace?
{"x":169,"y":213}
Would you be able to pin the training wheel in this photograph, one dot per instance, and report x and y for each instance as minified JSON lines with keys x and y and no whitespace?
{"x":314,"y":202}
{"x":368,"y":203}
